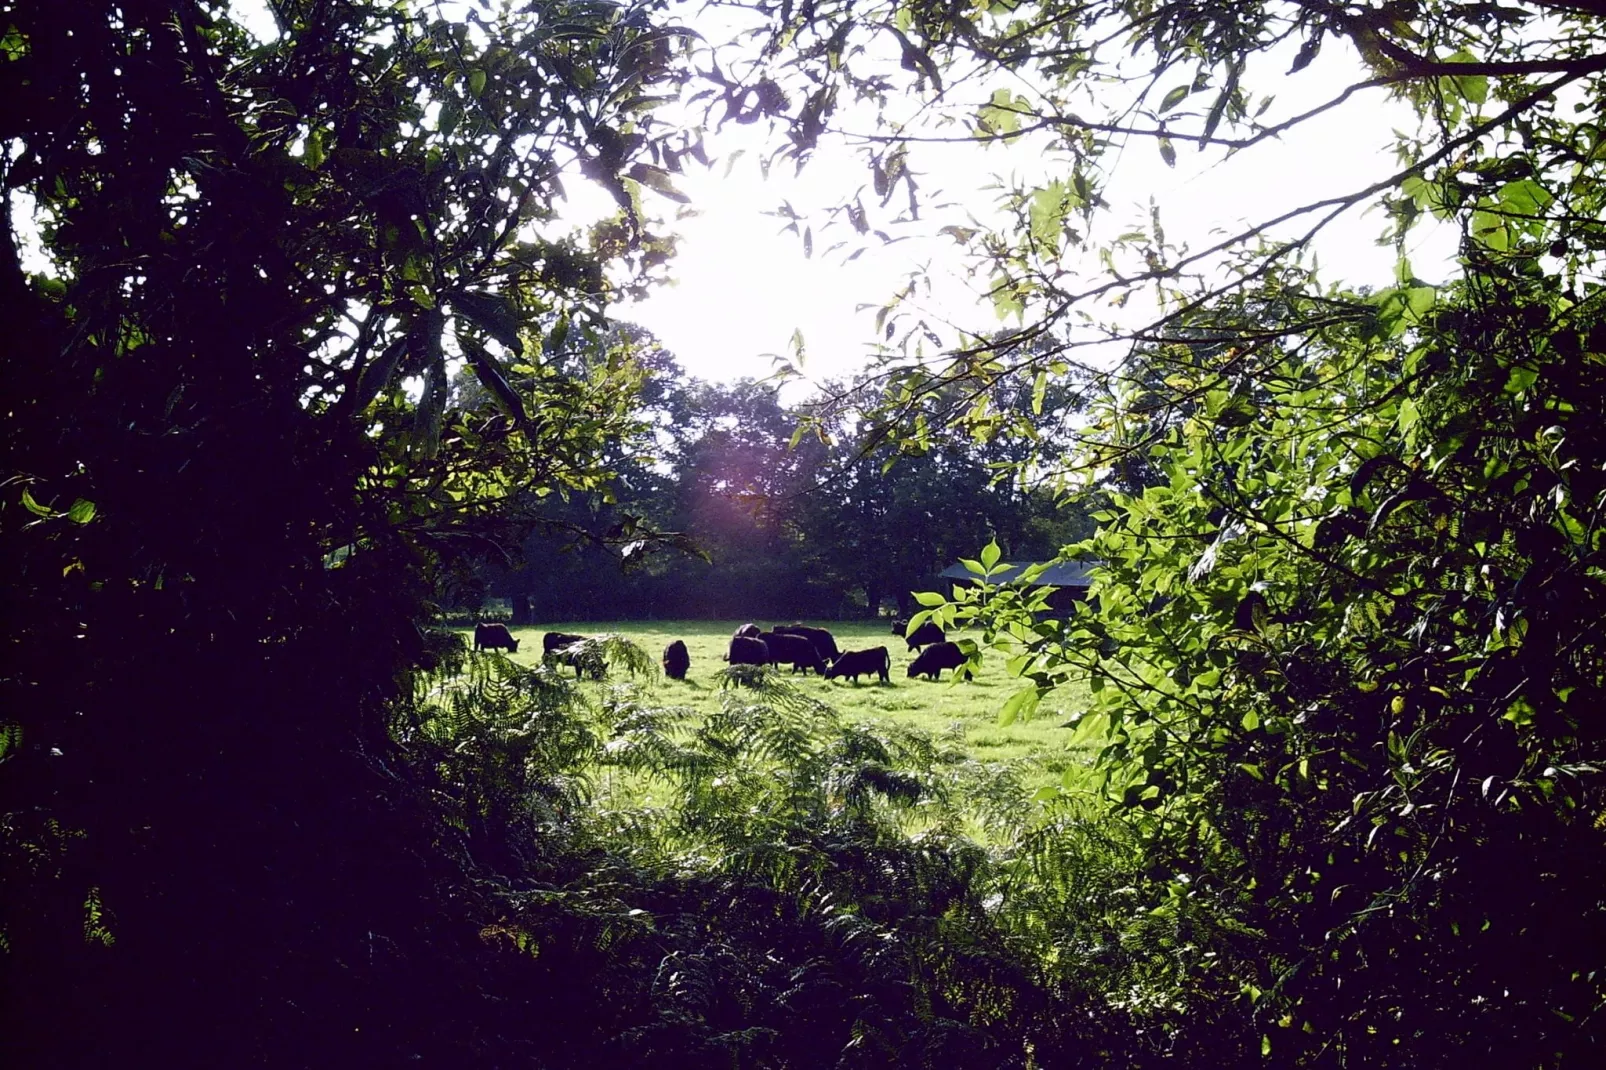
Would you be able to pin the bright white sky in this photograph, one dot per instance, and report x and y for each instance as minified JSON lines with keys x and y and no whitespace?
{"x":743,"y":287}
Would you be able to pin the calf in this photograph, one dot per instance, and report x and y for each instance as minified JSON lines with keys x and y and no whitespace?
{"x":925,"y":635}
{"x":856,"y":663}
{"x":494,"y":637}
{"x":823,"y":640}
{"x":795,"y":649}
{"x":676,"y":660}
{"x":900,"y":625}
{"x":936,"y":658}
{"x":745,"y":650}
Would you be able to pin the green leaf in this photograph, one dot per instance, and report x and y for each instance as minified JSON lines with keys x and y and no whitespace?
{"x":1307,"y":52}
{"x":492,"y":313}
{"x":1006,"y":297}
{"x":1469,"y":87}
{"x":658,"y":180}
{"x":929,"y":598}
{"x":1250,"y":721}
{"x":1047,"y":214}
{"x":451,"y":114}
{"x":34,"y":507}
{"x":990,"y":554}
{"x":1419,"y":301}
{"x":1000,"y":115}
{"x":1175,"y":97}
{"x":1520,"y":379}
{"x":488,"y":373}
{"x":312,"y":153}
{"x":1408,"y":416}
{"x":82,"y":511}
{"x":1520,"y":712}
{"x":1490,"y":228}
{"x":1214,"y":118}
{"x":1525,"y":197}
{"x":1021,"y":704}
{"x":377,"y":374}
{"x":476,"y":81}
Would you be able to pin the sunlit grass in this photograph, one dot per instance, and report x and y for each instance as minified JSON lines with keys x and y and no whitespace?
{"x":962,"y":713}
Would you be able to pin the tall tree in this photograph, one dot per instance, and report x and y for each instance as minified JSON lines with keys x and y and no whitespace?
{"x":1354,"y":577}
{"x":236,"y":272}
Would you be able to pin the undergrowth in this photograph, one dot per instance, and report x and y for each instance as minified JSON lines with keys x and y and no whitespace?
{"x":794,"y":890}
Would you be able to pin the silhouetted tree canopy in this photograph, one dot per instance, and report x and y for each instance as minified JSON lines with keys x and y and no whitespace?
{"x":236,"y":275}
{"x":298,"y":341}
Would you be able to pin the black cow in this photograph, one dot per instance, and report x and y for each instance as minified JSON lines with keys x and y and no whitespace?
{"x":494,"y":637}
{"x":794,"y":649}
{"x":856,"y":663}
{"x":553,"y":640}
{"x":746,"y":650}
{"x":823,"y":640}
{"x":900,"y":625}
{"x":557,"y":644}
{"x":936,"y":658}
{"x":747,"y":631}
{"x":925,"y":635}
{"x":676,"y":660}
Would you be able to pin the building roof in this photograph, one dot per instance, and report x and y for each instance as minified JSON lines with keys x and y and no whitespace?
{"x":1061,"y":574}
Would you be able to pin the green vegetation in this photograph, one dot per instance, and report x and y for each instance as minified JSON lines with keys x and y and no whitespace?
{"x":807,"y":883}
{"x":1346,"y":640}
{"x":776,"y":526}
{"x":965,"y":714}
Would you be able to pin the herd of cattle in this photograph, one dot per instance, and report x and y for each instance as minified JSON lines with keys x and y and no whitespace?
{"x":797,"y":645}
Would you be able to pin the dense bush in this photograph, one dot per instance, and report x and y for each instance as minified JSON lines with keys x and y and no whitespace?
{"x":1347,"y":649}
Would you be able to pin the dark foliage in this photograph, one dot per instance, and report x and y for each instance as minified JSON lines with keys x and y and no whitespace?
{"x":223,"y":512}
{"x":785,"y":528}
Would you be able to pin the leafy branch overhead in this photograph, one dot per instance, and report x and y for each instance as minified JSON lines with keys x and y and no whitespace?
{"x":297,"y":329}
{"x":1074,"y":85}
{"x":1350,"y":578}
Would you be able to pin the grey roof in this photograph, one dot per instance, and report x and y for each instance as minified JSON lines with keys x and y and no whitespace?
{"x":1063,"y":574}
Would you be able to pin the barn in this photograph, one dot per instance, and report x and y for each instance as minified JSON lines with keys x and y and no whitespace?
{"x":1069,"y":580}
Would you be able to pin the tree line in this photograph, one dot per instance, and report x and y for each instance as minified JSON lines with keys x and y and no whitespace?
{"x":768,"y":522}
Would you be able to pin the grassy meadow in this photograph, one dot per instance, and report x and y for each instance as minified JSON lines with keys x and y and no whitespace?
{"x":964,"y":713}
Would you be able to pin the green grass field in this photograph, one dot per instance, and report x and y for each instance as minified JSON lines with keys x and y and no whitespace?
{"x":965,"y":712}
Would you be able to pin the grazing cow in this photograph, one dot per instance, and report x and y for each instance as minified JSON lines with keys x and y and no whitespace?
{"x":925,"y":635}
{"x":823,"y":640}
{"x":856,"y":663}
{"x":900,"y":625}
{"x":676,"y":660}
{"x":796,"y":649}
{"x":556,"y":645}
{"x":746,"y":650}
{"x":747,"y":631}
{"x":494,"y":637}
{"x":936,"y":658}
{"x":553,"y":640}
